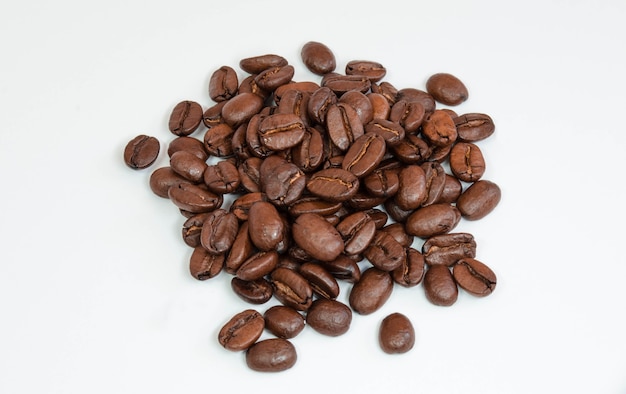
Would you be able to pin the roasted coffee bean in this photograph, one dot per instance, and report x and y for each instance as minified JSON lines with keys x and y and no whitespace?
{"x":271,"y":355}
{"x":317,"y":237}
{"x":258,"y":265}
{"x":380,"y":105}
{"x":250,"y":174}
{"x":384,"y":252}
{"x":281,"y":131}
{"x":435,"y":219}
{"x":364,"y":155}
{"x":412,"y":187}
{"x":360,"y":103}
{"x":223,"y":84}
{"x":219,"y":231}
{"x":363,"y":201}
{"x":301,"y":86}
{"x":295,"y":102}
{"x":222,"y":177}
{"x":447,"y":249}
{"x":344,"y":268}
{"x":333,"y":184}
{"x":435,"y":181}
{"x":411,"y":150}
{"x":329,"y":317}
{"x":321,"y":280}
{"x":283,"y":321}
{"x":344,"y":125}
{"x":397,"y":231}
{"x":439,"y":286}
{"x":265,"y":225}
{"x":371,"y":292}
{"x":474,"y":127}
{"x":213,"y":115}
{"x":374,"y":71}
{"x":357,"y":231}
{"x":419,"y":96}
{"x":249,"y":85}
{"x":141,"y":151}
{"x":439,"y":129}
{"x":467,"y":162}
{"x":188,"y":165}
{"x":411,"y":272}
{"x":256,"y":64}
{"x":282,"y":182}
{"x":395,"y":212}
{"x":308,"y":155}
{"x":311,"y":204}
{"x":240,"y":144}
{"x":319,"y":102}
{"x":204,"y":265}
{"x":218,"y":140}
{"x":452,"y":189}
{"x":271,"y":78}
{"x":185,"y":118}
{"x":318,"y":58}
{"x":188,"y":144}
{"x":379,"y":217}
{"x":408,"y":114}
{"x":192,"y":229}
{"x":194,"y":198}
{"x":387,"y":90}
{"x":478,"y":200}
{"x":241,"y":108}
{"x":447,"y":89}
{"x":241,"y":205}
{"x":382,"y":182}
{"x":291,"y":289}
{"x":241,"y":250}
{"x":162,"y":179}
{"x":242,"y":330}
{"x":396,"y":334}
{"x":255,"y":292}
{"x":341,"y":84}
{"x":253,"y":140}
{"x":392,"y":132}
{"x":474,"y":277}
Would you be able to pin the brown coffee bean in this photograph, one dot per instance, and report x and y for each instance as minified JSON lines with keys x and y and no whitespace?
{"x":333,"y":184}
{"x":317,"y":237}
{"x":321,"y":280}
{"x":435,"y":181}
{"x":478,"y":200}
{"x":374,"y":71}
{"x":474,"y":277}
{"x":447,"y":89}
{"x":387,"y":90}
{"x":395,"y":212}
{"x":319,"y":102}
{"x":371,"y":292}
{"x":141,"y":152}
{"x":411,"y":272}
{"x":270,"y":79}
{"x":344,"y":125}
{"x":266,"y":227}
{"x":419,"y":96}
{"x":396,"y":334}
{"x":392,"y":132}
{"x":329,"y":317}
{"x":291,"y":289}
{"x":439,"y":129}
{"x":185,"y":118}
{"x":194,"y":198}
{"x":439,"y":286}
{"x":398,"y":232}
{"x":258,"y":265}
{"x":188,"y":165}
{"x":213,"y":115}
{"x":283,"y":321}
{"x":223,"y":84}
{"x":308,"y":155}
{"x":364,"y":155}
{"x":435,"y":219}
{"x":316,"y":205}
{"x":241,"y":249}
{"x":408,"y":114}
{"x":318,"y":58}
{"x":255,"y":292}
{"x":382,"y":182}
{"x":282,"y":182}
{"x":204,"y":265}
{"x":271,"y":355}
{"x":162,"y":179}
{"x":253,"y":140}
{"x":192,"y":229}
{"x":360,"y":103}
{"x":451,"y":191}
{"x":242,"y":330}
{"x":384,"y":252}
{"x":295,"y":102}
{"x":467,"y":162}
{"x":411,"y":150}
{"x":341,"y":84}
{"x":474,"y":127}
{"x":357,"y":231}
{"x":222,"y":177}
{"x":188,"y":144}
{"x":412,"y":187}
{"x":241,"y":108}
{"x":256,"y":64}
{"x":218,"y":140}
{"x":380,"y":105}
{"x":447,"y":249}
{"x":281,"y":131}
{"x":219,"y":231}
{"x":241,"y":205}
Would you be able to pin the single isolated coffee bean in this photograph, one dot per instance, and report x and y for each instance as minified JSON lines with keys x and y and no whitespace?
{"x":447,"y":89}
{"x":242,"y":330}
{"x":141,"y":151}
{"x":257,"y":64}
{"x":329,"y":317}
{"x":474,"y":277}
{"x":185,"y":118}
{"x":318,"y":58}
{"x":396,"y":334}
{"x":223,"y":84}
{"x":271,"y":355}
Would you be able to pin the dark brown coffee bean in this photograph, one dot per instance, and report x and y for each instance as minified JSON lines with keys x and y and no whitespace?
{"x":412,"y":187}
{"x":467,"y":162}
{"x":419,"y":96}
{"x":241,"y":108}
{"x":371,"y":292}
{"x":192,"y":228}
{"x":141,"y":152}
{"x":256,"y":64}
{"x":188,"y":144}
{"x":329,"y":317}
{"x":258,"y":265}
{"x":254,"y":292}
{"x":374,"y":71}
{"x":295,"y":102}
{"x":319,"y":102}
{"x":364,"y":155}
{"x":384,"y":252}
{"x":253,"y":139}
{"x":283,"y":321}
{"x":478,"y":200}
{"x":397,"y":231}
{"x":344,"y":268}
{"x":333,"y":184}
{"x":395,"y":212}
{"x":439,"y":129}
{"x":357,"y":231}
{"x":271,"y":355}
{"x":408,"y":114}
{"x":218,"y":140}
{"x":341,"y":84}
{"x":382,"y":182}
{"x":213,"y":115}
{"x":241,"y":250}
{"x":447,"y":89}
{"x":291,"y":289}
{"x":281,"y":131}
{"x":307,"y":87}
{"x":344,"y":125}
{"x":185,"y":118}
{"x":241,"y":205}
{"x":435,"y":181}
{"x":411,"y":150}
{"x":162,"y":179}
{"x":240,"y":144}
{"x":387,"y":90}
{"x":396,"y":334}
{"x":317,"y":237}
{"x":204,"y":265}
{"x":447,"y":249}
{"x":265,"y":225}
{"x":439,"y":286}
{"x":223,"y":84}
{"x":219,"y":231}
{"x":363,"y":201}
{"x":250,"y":174}
{"x":308,"y":155}
{"x":282,"y":182}
{"x":474,"y":127}
{"x":411,"y":272}
{"x":474,"y":277}
{"x":318,"y":58}
{"x":379,"y":217}
{"x":435,"y":219}
{"x":242,"y":330}
{"x":316,"y":205}
{"x":222,"y":177}
{"x":392,"y":132}
{"x":321,"y":280}
{"x":194,"y":198}
{"x":273,"y":77}
{"x":249,"y":85}
{"x":188,"y":165}
{"x":360,"y":103}
{"x":380,"y":106}
{"x":452,"y":189}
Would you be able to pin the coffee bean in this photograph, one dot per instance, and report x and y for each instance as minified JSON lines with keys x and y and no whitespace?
{"x":222,"y":177}
{"x":255,"y":292}
{"x":204,"y":265}
{"x":364,"y":155}
{"x":240,"y":108}
{"x":439,"y":286}
{"x":344,"y":125}
{"x":317,"y":237}
{"x":218,"y":140}
{"x":384,"y":252}
{"x":281,"y":131}
{"x":319,"y":102}
{"x":242,"y":204}
{"x":241,"y":249}
{"x":392,"y":132}
{"x":408,"y":114}
{"x":467,"y":162}
{"x":223,"y":84}
{"x":447,"y":89}
{"x":478,"y":200}
{"x":333,"y":184}
{"x":192,"y":229}
{"x":474,"y":277}
{"x":188,"y":165}
{"x":266,"y":228}
{"x":141,"y":152}
{"x":447,"y":249}
{"x":242,"y":330}
{"x":256,"y":64}
{"x":380,"y":105}
{"x":194,"y":198}
{"x":396,"y":334}
{"x":283,"y":321}
{"x":219,"y":231}
{"x":318,"y":58}
{"x":439,"y":129}
{"x":188,"y":144}
{"x":321,"y":280}
{"x":371,"y":292}
{"x":162,"y":179}
{"x":344,"y":268}
{"x":329,"y":317}
{"x":374,"y":71}
{"x":435,"y":219}
{"x":291,"y":289}
{"x":357,"y":231}
{"x":270,"y":79}
{"x":411,"y":272}
{"x":474,"y":127}
{"x":258,"y":265}
{"x":185,"y":118}
{"x":271,"y":355}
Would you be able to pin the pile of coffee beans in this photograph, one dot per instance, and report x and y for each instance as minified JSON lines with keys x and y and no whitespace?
{"x":293,"y":186}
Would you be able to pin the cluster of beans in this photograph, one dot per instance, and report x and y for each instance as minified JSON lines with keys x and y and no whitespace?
{"x":296,"y":185}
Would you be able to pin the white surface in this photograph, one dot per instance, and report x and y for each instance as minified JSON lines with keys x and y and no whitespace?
{"x":95,"y":296}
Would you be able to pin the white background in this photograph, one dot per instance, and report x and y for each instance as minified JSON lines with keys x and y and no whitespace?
{"x":95,"y":294}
